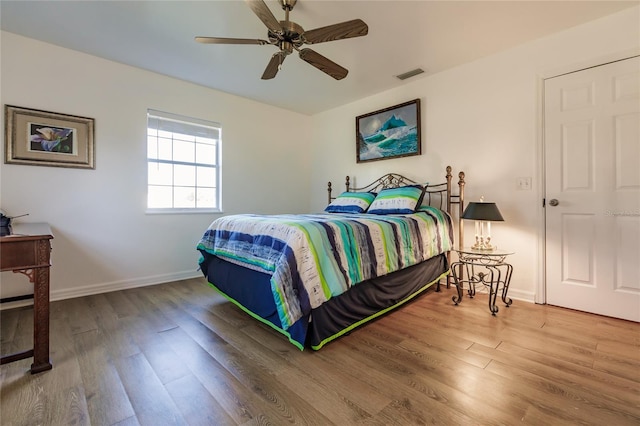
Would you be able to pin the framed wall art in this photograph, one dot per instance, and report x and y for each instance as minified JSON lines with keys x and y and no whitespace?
{"x":42,"y":138}
{"x":389,"y":133}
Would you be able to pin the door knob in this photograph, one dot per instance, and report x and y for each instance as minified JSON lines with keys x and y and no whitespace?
{"x":553,"y":202}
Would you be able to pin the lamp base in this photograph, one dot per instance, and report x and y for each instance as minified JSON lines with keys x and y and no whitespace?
{"x":483,"y":244}
{"x":483,"y":247}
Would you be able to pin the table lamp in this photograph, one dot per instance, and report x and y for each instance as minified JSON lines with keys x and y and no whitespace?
{"x":483,"y":213}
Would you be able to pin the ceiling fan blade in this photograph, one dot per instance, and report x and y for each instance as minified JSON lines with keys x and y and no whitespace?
{"x":274,"y":65}
{"x":323,"y":64}
{"x":263,"y":12}
{"x":224,"y":40}
{"x":348,"y":29}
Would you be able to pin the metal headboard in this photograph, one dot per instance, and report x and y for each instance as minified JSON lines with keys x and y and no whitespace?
{"x":438,"y":195}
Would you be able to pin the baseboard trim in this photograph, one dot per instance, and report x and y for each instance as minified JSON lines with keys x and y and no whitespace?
{"x":123,"y":285}
{"x":108,"y":287}
{"x":525,"y":296}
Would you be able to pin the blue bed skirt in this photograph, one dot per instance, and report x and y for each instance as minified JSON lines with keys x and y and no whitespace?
{"x":250,"y":290}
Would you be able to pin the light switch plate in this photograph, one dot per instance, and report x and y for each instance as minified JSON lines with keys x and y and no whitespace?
{"x":523,"y":183}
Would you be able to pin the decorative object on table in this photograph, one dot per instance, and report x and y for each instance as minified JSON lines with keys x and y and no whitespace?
{"x":5,"y":219}
{"x":483,"y":213}
{"x":42,"y":138}
{"x":389,"y":133}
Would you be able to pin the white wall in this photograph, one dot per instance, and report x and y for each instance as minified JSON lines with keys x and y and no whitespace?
{"x":103,"y":238}
{"x":483,"y":118}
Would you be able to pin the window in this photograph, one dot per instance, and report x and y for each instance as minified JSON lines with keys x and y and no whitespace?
{"x":183,"y":158}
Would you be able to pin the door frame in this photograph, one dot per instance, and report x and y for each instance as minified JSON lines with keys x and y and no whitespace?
{"x":540,"y":295}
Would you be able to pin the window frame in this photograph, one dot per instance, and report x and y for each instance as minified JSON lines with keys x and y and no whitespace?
{"x":188,"y":122}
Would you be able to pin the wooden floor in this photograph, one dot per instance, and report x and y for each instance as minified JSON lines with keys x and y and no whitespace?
{"x":179,"y":353}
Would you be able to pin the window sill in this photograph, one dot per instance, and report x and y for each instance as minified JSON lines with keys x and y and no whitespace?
{"x":183,"y":211}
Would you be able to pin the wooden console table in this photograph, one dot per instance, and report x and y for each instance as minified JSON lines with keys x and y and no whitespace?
{"x":27,"y":250}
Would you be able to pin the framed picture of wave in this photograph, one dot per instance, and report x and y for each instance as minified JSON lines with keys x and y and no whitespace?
{"x":389,"y":133}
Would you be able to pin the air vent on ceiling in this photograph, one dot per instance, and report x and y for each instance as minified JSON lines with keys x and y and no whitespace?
{"x":410,"y":74}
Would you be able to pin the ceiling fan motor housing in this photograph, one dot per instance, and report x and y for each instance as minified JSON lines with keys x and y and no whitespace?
{"x":292,"y":33}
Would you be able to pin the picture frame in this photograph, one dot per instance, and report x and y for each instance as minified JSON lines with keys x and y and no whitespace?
{"x":391,"y":132}
{"x":43,"y":138}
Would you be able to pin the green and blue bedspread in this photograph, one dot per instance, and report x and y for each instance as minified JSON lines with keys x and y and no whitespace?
{"x":314,"y":257}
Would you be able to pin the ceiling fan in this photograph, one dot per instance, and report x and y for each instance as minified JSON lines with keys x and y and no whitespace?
{"x":289,"y":36}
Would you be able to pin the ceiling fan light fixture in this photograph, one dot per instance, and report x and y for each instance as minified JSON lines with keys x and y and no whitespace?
{"x":410,"y":74}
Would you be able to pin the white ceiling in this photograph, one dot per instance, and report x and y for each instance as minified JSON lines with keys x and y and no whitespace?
{"x":403,"y":35}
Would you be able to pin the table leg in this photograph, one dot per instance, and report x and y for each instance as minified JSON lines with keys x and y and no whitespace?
{"x":458,"y":281}
{"x":494,"y":284}
{"x":473,"y":278}
{"x":507,"y":279}
{"x":41,"y":361}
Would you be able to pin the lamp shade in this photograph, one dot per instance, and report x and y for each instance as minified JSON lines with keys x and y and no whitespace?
{"x":482,"y":211}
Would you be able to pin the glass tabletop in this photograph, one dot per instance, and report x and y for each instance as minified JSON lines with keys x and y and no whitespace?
{"x":495,"y":252}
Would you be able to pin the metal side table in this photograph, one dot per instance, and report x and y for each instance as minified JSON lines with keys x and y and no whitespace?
{"x":482,"y":267}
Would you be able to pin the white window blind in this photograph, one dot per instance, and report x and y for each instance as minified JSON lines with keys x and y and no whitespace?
{"x":183,"y":158}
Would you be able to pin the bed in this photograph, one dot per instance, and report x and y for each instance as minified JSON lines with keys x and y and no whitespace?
{"x":315,"y":277}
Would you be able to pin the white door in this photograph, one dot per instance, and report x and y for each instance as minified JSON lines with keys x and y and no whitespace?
{"x":592,"y":170}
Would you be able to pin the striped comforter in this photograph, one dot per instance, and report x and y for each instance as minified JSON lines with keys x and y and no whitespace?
{"x":312,"y":258}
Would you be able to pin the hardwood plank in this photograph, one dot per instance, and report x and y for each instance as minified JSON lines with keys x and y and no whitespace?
{"x":67,"y":407}
{"x":611,"y":387}
{"x":562,"y":401}
{"x":437,"y":380}
{"x":229,"y":392}
{"x":107,"y":400}
{"x":472,"y":330}
{"x":559,"y":392}
{"x":66,"y":379}
{"x":266,"y":359}
{"x":114,"y":328}
{"x":619,"y":349}
{"x":21,"y":399}
{"x":181,"y":351}
{"x":328,"y":398}
{"x":197,"y":405}
{"x":353,"y":392}
{"x":407,"y":411}
{"x":80,"y":315}
{"x":416,"y":337}
{"x":617,"y":366}
{"x":120,"y":302}
{"x":130,"y":421}
{"x":166,"y":363}
{"x":150,"y":313}
{"x":150,"y":400}
{"x":21,"y":334}
{"x":263,"y":383}
{"x":278,"y":398}
{"x":8,"y":325}
{"x":618,"y":330}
